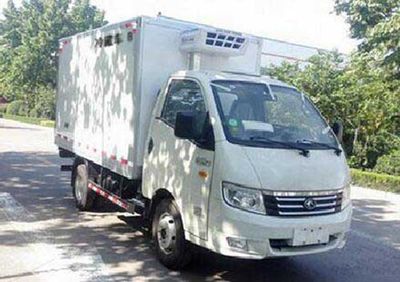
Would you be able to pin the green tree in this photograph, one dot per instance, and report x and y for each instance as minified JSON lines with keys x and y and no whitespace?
{"x":28,"y":54}
{"x":9,"y":27}
{"x":376,"y":23}
{"x":362,"y":15}
{"x":84,"y":16}
{"x":372,"y":106}
{"x":354,"y":93}
{"x":10,"y":38}
{"x":364,"y":91}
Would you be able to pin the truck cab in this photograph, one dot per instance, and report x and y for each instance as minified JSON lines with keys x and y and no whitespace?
{"x":251,"y":165}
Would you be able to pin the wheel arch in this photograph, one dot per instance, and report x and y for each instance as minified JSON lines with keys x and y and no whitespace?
{"x":158,"y":196}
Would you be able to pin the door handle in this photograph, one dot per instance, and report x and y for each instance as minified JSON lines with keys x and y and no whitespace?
{"x":150,"y":146}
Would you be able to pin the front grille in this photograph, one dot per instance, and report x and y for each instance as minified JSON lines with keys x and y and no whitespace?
{"x":295,"y":205}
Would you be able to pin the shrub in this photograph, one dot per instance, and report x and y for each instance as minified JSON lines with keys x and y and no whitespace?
{"x":33,"y":113}
{"x":375,"y":180}
{"x":23,"y":110}
{"x":47,"y":123}
{"x":45,"y":102}
{"x":389,"y":164}
{"x":3,"y":108}
{"x":14,"y":106}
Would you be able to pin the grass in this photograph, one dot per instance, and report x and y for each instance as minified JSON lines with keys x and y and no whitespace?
{"x":30,"y":120}
{"x":375,"y":180}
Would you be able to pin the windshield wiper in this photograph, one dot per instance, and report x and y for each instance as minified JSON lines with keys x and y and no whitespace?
{"x":303,"y":152}
{"x":337,"y":150}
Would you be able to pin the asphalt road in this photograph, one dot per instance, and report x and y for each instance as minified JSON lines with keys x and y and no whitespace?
{"x":44,"y":238}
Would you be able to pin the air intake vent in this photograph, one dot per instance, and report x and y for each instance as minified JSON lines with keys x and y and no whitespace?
{"x":223,"y":43}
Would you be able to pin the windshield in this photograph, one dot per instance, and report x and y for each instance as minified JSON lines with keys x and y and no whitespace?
{"x":254,"y":114}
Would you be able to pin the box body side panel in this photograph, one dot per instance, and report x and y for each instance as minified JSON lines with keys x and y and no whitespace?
{"x":95,"y":98}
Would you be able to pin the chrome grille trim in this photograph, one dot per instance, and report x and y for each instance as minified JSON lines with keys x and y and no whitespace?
{"x":294,"y":205}
{"x":326,"y":205}
{"x":301,"y":206}
{"x":302,"y":193}
{"x":308,"y":213}
{"x":303,"y":198}
{"x":325,"y":198}
{"x":289,"y":199}
{"x":290,"y":206}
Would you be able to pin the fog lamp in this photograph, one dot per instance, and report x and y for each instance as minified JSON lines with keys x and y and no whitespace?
{"x":237,"y":243}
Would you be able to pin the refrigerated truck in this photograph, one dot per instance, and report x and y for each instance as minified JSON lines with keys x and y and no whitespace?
{"x":172,"y":120}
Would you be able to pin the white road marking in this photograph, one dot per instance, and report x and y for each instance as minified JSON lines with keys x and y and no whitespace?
{"x":44,"y":259}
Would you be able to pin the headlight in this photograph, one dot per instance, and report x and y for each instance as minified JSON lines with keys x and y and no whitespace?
{"x":346,"y":196}
{"x":243,"y":198}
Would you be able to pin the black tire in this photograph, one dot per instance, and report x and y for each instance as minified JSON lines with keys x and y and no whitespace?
{"x":84,"y":197}
{"x":178,"y":254}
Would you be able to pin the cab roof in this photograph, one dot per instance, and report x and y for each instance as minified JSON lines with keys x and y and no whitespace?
{"x":214,"y":75}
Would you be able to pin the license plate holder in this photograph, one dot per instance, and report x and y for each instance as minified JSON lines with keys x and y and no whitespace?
{"x":310,"y":236}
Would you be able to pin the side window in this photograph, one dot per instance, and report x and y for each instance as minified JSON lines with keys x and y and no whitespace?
{"x":183,"y":96}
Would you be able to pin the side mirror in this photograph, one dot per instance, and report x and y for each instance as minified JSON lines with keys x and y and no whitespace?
{"x":337,"y":128}
{"x":186,"y":126}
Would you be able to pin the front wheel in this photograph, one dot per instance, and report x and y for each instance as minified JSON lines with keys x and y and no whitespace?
{"x":172,"y":249}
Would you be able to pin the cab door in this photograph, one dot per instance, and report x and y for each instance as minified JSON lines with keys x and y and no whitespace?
{"x":183,"y":166}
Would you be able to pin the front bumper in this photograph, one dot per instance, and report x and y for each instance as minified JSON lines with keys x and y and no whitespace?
{"x":273,"y":236}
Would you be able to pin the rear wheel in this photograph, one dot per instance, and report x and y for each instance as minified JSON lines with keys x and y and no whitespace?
{"x":84,"y":197}
{"x":172,"y":249}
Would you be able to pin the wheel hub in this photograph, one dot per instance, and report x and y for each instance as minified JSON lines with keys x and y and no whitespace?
{"x":166,"y":233}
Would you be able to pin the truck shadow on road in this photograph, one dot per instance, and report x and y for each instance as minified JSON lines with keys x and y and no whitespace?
{"x":121,"y":249}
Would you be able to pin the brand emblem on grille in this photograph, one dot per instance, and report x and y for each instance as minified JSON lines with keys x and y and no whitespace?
{"x":309,"y":204}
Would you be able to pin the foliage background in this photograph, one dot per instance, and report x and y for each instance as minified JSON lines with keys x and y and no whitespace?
{"x":29,"y":37}
{"x":361,"y":90}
